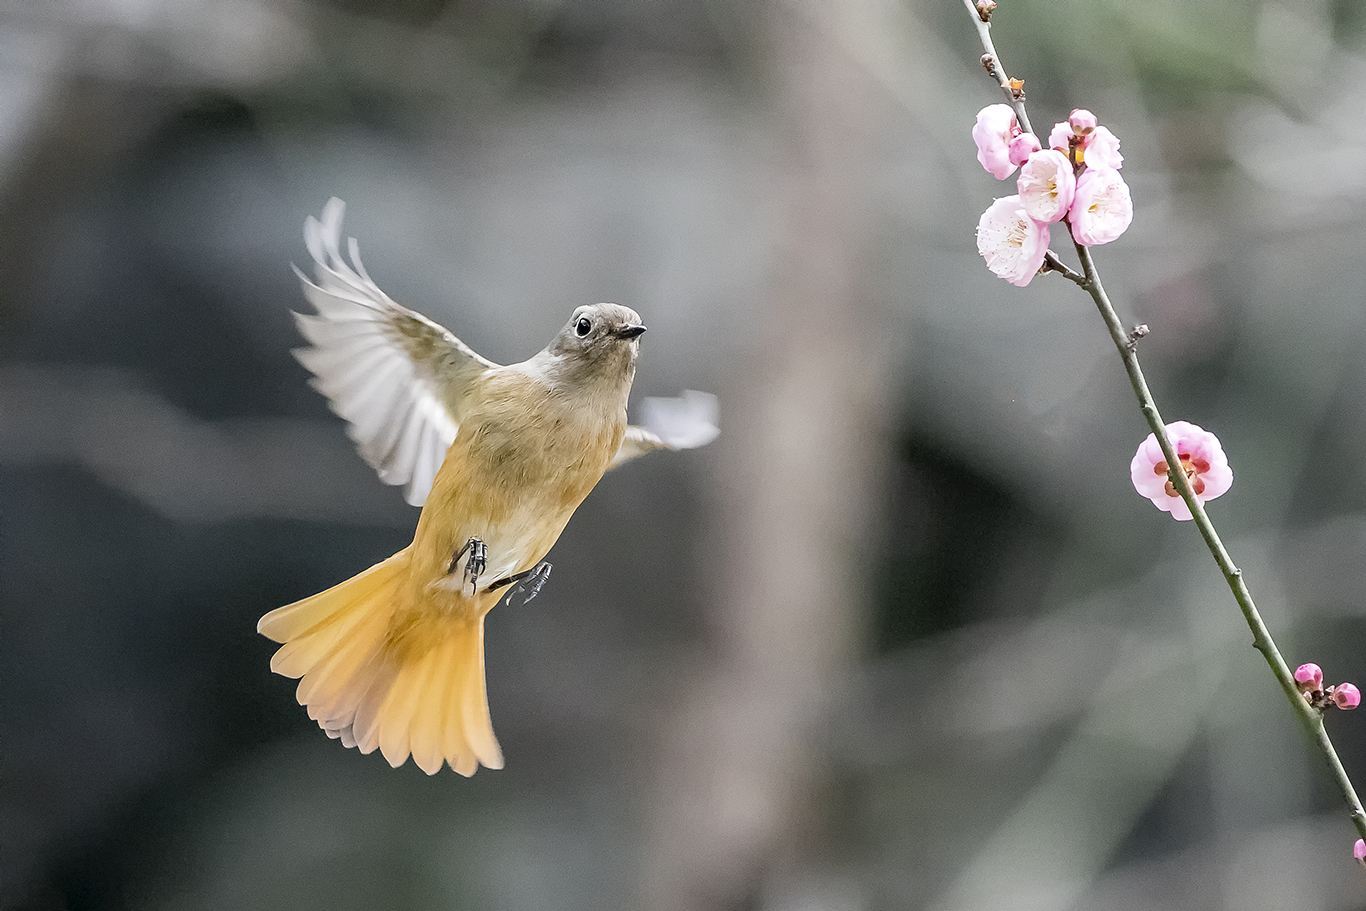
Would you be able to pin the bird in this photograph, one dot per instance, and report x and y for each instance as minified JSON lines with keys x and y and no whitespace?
{"x":498,"y":457}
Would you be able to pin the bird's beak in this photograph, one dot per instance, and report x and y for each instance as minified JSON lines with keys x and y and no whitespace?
{"x":629,"y":331}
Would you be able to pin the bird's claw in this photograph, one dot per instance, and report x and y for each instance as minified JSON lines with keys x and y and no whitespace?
{"x":528,"y":588}
{"x":474,"y":566}
{"x":527,"y":584}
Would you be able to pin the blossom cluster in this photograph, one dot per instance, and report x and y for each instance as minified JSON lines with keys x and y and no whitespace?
{"x":1310,"y":679}
{"x":1075,"y":180}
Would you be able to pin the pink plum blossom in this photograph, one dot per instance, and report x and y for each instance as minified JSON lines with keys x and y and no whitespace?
{"x":1101,"y":208}
{"x":1346,"y":696}
{"x":1309,"y":676}
{"x":1060,"y":136}
{"x":996,"y":127}
{"x":1022,"y":146}
{"x":1082,"y":121}
{"x":1047,"y":185}
{"x":1202,"y":459}
{"x":1359,"y":851}
{"x":1012,"y":243}
{"x":1102,"y":149}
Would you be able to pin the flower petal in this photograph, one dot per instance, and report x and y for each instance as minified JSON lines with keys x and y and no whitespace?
{"x":1060,"y":137}
{"x":1102,"y":149}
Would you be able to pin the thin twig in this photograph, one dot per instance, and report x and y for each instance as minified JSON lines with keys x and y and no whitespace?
{"x":1311,"y":718}
{"x":992,"y":61}
{"x":1053,"y":264}
{"x":1126,"y":344}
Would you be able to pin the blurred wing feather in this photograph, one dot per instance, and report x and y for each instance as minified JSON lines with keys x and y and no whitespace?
{"x":686,"y":422}
{"x":637,"y":442}
{"x":398,"y":378}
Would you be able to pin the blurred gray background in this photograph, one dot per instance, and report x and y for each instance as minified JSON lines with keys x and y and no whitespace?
{"x":903,"y":637}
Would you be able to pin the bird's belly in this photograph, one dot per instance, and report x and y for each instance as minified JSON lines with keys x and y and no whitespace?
{"x":517,"y":541}
{"x":514,"y":500}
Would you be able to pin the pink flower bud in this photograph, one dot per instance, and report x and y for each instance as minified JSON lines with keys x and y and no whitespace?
{"x":996,"y":127}
{"x":1082,"y":121}
{"x":1309,"y":676}
{"x":1346,"y":696}
{"x":1202,"y":459}
{"x":1022,"y":146}
{"x":1359,"y":852}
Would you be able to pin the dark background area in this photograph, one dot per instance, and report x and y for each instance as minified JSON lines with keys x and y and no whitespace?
{"x":903,"y":637}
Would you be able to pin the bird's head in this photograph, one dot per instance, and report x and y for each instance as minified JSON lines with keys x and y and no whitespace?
{"x":600,"y":341}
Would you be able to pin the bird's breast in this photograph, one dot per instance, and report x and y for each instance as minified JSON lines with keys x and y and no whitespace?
{"x":534,"y":454}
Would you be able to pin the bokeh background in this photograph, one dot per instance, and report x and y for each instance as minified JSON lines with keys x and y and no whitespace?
{"x":904,"y":637}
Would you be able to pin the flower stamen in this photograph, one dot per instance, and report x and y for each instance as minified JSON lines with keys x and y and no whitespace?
{"x":1193,"y":468}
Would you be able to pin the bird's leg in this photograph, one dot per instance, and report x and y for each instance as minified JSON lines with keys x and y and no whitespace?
{"x":528,"y":583}
{"x":474,"y":566}
{"x":458,"y":554}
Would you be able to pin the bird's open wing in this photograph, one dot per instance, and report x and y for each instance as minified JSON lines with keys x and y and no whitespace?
{"x":686,"y":422}
{"x":397,"y":377}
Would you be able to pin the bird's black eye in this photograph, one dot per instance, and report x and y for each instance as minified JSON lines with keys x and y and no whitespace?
{"x":583,"y":326}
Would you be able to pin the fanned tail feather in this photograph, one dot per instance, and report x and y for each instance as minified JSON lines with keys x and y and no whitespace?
{"x":377,"y":674}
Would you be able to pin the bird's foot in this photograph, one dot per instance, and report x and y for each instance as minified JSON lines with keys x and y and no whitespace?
{"x":474,"y":566}
{"x":527,"y":584}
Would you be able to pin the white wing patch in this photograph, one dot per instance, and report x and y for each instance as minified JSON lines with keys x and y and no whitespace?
{"x":686,"y":422}
{"x":397,"y":377}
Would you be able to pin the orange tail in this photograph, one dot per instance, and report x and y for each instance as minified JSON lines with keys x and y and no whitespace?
{"x":377,"y":673}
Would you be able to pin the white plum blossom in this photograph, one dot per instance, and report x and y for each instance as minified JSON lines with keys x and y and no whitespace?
{"x":1012,"y":243}
{"x":996,"y":127}
{"x":1101,"y":208}
{"x":1047,"y":185}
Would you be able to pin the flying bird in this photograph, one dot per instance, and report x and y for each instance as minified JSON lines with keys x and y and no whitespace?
{"x":498,"y":457}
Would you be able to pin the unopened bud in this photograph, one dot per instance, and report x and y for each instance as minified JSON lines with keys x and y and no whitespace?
{"x":1022,"y":146}
{"x":1083,"y":121}
{"x":1359,"y":851}
{"x":1309,"y":676}
{"x":984,"y":9}
{"x":1346,"y":696}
